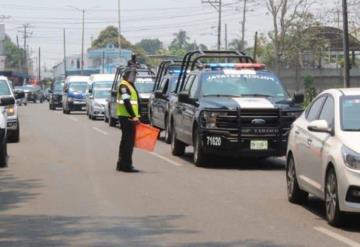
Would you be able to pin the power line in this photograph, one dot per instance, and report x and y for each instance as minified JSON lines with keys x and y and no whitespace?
{"x":217,"y":4}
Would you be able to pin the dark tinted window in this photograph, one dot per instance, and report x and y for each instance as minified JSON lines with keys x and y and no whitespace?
{"x":315,"y":108}
{"x":328,"y":111}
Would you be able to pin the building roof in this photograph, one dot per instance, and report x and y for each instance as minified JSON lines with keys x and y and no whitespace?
{"x":334,"y":38}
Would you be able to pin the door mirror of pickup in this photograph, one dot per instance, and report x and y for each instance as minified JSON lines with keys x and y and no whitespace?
{"x":7,"y":100}
{"x":158,"y":94}
{"x":184,"y":97}
{"x":113,"y":93}
{"x":299,"y":98}
{"x":90,"y":91}
{"x":66,"y":90}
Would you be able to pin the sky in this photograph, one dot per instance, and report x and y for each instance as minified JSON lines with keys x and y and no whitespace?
{"x":139,"y":19}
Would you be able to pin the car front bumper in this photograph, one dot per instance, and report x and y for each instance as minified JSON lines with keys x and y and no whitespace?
{"x":347,"y":180}
{"x":227,"y":143}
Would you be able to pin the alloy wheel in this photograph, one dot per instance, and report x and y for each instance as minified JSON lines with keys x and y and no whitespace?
{"x":331,"y":195}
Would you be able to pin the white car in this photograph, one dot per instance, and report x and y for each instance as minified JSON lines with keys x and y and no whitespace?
{"x":97,"y":103}
{"x":13,"y":124}
{"x":98,"y":81}
{"x":323,"y":156}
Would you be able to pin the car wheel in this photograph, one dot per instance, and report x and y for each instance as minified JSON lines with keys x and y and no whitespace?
{"x":177,"y":147}
{"x":199,"y":155}
{"x":3,"y":155}
{"x":294,"y":193}
{"x":112,"y":122}
{"x":333,"y":214}
{"x":15,"y":136}
{"x":167,"y":131}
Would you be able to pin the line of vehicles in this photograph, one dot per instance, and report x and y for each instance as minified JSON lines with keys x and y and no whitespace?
{"x":223,"y":103}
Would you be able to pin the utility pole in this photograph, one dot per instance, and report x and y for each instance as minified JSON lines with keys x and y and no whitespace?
{"x":226,"y":37}
{"x":217,"y":4}
{"x":255,"y":46}
{"x":39,"y":69}
{"x":64,"y":37}
{"x":346,"y":45}
{"x":82,"y":42}
{"x":119,"y":30}
{"x":26,"y":35}
{"x":243,"y":25}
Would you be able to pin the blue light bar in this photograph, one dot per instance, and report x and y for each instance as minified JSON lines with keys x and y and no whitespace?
{"x":220,"y":66}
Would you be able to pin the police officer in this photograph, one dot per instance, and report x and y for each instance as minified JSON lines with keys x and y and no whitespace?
{"x":128,"y":113}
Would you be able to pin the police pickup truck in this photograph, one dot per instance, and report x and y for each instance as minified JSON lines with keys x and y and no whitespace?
{"x":159,"y":102}
{"x":232,"y":109}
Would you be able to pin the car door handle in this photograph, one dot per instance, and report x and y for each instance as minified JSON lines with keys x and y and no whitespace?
{"x":297,"y":132}
{"x":309,"y":141}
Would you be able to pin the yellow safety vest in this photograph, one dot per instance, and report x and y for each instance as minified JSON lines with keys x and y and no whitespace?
{"x":121,"y":109}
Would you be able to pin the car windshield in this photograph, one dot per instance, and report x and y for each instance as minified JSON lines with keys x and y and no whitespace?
{"x":101,"y":94}
{"x":78,"y":87}
{"x":144,"y":85}
{"x":4,"y":88}
{"x":350,"y":112}
{"x":103,"y":84}
{"x":238,"y":83}
{"x":58,"y":87}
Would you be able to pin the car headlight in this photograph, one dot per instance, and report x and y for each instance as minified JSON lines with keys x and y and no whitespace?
{"x":351,"y":158}
{"x":294,"y":114}
{"x":10,"y":110}
{"x":210,"y":118}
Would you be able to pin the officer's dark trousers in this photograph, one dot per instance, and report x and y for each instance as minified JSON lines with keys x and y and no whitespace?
{"x":127,"y":143}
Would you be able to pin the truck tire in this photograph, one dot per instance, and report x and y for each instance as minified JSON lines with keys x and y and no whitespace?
{"x":3,"y":155}
{"x":199,"y":158}
{"x":177,"y":147}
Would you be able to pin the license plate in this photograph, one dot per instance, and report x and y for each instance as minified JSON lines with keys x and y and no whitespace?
{"x":259,"y":145}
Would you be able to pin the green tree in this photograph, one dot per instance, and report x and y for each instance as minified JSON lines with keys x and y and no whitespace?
{"x":151,"y":46}
{"x":110,"y":36}
{"x":14,"y":55}
{"x":180,"y":41}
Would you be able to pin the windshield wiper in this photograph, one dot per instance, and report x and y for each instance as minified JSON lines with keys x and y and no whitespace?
{"x":220,"y":95}
{"x":257,"y":95}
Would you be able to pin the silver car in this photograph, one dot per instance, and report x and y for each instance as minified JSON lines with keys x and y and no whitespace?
{"x":97,"y":102}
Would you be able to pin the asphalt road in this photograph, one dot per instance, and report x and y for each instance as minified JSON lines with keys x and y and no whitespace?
{"x":61,"y":189}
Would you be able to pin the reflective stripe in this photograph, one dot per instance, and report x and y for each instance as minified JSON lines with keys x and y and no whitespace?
{"x":133,"y":102}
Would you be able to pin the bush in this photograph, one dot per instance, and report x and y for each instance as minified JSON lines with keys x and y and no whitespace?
{"x":310,"y":90}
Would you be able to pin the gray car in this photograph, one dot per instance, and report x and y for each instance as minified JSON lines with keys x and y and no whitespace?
{"x":97,"y":103}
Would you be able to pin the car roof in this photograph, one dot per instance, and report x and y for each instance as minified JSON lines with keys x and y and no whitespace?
{"x":102,"y":77}
{"x":77,"y":78}
{"x":343,"y":91}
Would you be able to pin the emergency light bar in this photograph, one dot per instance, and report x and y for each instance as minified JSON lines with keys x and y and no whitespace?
{"x":238,"y":66}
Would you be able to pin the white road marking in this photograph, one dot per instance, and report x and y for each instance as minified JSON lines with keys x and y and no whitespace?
{"x":337,"y":236}
{"x":166,"y":159}
{"x":100,"y":131}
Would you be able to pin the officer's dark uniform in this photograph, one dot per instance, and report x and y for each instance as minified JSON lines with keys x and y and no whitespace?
{"x":127,"y":111}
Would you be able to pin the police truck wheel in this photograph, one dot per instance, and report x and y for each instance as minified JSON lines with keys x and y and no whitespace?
{"x":3,"y":155}
{"x":167,"y":131}
{"x":112,"y":122}
{"x":177,"y":147}
{"x":294,"y":193}
{"x":199,"y":155}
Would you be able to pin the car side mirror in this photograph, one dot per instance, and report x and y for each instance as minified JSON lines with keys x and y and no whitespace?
{"x":66,"y":90}
{"x":6,"y":101}
{"x":90,"y":91}
{"x":113,"y":93}
{"x":158,"y":94}
{"x":19,"y":95}
{"x":320,"y":126}
{"x":184,"y":96}
{"x":299,"y":98}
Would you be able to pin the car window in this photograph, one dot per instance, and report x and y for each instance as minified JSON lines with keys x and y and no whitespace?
{"x":188,"y":83}
{"x":328,"y":111}
{"x":194,"y":88}
{"x":164,"y":85}
{"x":315,"y":108}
